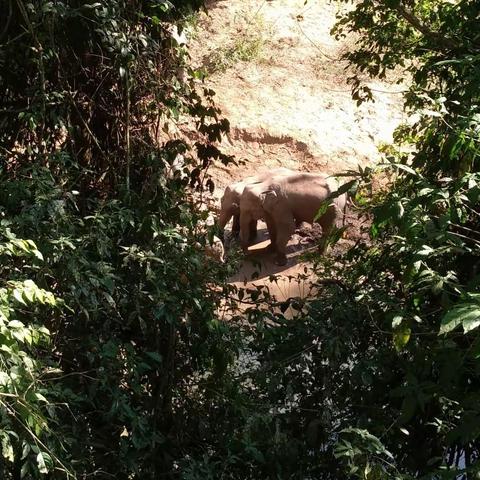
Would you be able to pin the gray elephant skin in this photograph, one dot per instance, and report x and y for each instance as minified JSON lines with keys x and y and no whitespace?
{"x":230,"y":201}
{"x":287,"y":201}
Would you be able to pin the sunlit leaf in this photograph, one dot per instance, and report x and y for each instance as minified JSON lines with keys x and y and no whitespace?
{"x":7,"y":448}
{"x":42,"y":467}
{"x":401,"y":336}
{"x":465,"y":314}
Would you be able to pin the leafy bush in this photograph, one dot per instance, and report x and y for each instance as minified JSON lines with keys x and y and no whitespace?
{"x":86,"y":91}
{"x":28,"y":411}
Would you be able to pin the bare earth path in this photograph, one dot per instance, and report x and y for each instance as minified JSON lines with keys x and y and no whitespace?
{"x":288,"y":102}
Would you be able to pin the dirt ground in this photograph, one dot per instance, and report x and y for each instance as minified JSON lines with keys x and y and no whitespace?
{"x":280,"y":81}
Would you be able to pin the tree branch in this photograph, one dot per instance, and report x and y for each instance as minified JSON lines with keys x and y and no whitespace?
{"x":443,"y":41}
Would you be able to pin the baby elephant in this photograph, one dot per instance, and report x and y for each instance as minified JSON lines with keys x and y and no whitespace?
{"x":230,"y":202}
{"x":286,"y":201}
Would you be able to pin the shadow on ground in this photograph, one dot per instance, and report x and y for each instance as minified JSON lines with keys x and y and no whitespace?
{"x":258,"y":269}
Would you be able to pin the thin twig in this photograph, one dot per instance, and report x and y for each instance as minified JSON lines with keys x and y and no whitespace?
{"x":127,"y":130}
{"x":94,"y":138}
{"x":41,"y":65}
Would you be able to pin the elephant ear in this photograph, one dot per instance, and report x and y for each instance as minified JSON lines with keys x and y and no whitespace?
{"x":269,"y":200}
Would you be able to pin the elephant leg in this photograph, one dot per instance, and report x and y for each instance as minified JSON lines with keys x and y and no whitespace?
{"x":253,"y":230}
{"x":236,"y":225}
{"x":285,"y":229}
{"x":245,"y":222}
{"x":272,"y":231}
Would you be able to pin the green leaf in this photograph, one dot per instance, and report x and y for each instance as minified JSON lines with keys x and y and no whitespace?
{"x":322,"y":210}
{"x":41,"y":397}
{"x":399,"y":209}
{"x":154,"y":356}
{"x":350,"y":186}
{"x":425,"y":251}
{"x":7,"y":448}
{"x":401,"y":336}
{"x":42,"y":467}
{"x":17,"y":294}
{"x":24,"y":470}
{"x":16,"y":324}
{"x":465,"y":314}
{"x":409,"y":407}
{"x":4,"y":378}
{"x":470,"y":324}
{"x":401,"y":166}
{"x":19,"y":335}
{"x":44,"y":330}
{"x":26,"y":450}
{"x":397,"y":320}
{"x":28,"y":295}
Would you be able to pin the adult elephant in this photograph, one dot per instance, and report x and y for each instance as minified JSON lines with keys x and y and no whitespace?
{"x":230,"y":201}
{"x":288,"y":201}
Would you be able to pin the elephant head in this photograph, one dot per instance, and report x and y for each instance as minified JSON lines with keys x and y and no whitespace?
{"x":271,"y":201}
{"x":264,"y":201}
{"x":229,"y":205}
{"x":230,"y":202}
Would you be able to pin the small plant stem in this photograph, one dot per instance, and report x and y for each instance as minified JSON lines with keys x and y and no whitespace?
{"x":127,"y":132}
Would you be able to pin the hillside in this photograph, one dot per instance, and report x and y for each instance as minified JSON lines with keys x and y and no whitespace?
{"x":281,"y":82}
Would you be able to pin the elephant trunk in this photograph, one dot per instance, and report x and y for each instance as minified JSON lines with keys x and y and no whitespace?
{"x":224,"y":218}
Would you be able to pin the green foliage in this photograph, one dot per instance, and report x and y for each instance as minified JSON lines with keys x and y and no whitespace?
{"x":140,"y":336}
{"x":465,"y":314}
{"x":113,"y":360}
{"x":87,"y":92}
{"x":28,"y":414}
{"x":97,"y":81}
{"x":364,"y":449}
{"x":243,"y":49}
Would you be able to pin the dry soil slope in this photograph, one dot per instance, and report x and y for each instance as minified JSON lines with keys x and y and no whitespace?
{"x":289,"y":104}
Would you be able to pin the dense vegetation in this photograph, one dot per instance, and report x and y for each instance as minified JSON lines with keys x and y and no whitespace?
{"x":107,"y":305}
{"x":113,"y":363}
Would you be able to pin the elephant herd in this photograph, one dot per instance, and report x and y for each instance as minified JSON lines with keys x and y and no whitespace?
{"x":284,"y":199}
